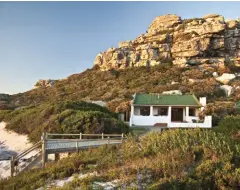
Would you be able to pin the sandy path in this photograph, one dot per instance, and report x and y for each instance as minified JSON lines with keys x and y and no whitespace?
{"x":11,"y":143}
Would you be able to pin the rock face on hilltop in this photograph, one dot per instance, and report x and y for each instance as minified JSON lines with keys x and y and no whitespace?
{"x":45,"y":83}
{"x":207,"y":40}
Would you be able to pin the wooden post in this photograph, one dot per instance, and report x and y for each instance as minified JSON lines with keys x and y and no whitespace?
{"x":44,"y":155}
{"x":12,"y":166}
{"x":102,"y":136}
{"x":108,"y":140}
{"x":77,"y":146}
{"x":80,"y":136}
{"x":122,"y":136}
{"x":57,"y":156}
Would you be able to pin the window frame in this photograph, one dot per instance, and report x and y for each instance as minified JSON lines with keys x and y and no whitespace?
{"x":147,"y":109}
{"x":159,"y":113}
{"x":192,"y":112}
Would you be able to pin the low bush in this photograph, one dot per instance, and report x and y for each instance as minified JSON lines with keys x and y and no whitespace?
{"x":119,"y":85}
{"x":230,"y":125}
{"x":63,"y":117}
{"x":174,"y":159}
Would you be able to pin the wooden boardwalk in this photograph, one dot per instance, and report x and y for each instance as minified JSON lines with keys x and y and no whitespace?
{"x":60,"y":146}
{"x":67,"y":143}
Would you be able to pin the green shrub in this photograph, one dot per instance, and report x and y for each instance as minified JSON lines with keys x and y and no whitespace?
{"x":230,"y":125}
{"x":3,"y":114}
{"x":63,"y":117}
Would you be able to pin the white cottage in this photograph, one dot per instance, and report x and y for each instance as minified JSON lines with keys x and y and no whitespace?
{"x":168,"y":111}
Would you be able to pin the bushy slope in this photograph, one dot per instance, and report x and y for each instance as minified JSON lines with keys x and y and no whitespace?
{"x":62,"y":117}
{"x":174,"y":159}
{"x":116,"y":86}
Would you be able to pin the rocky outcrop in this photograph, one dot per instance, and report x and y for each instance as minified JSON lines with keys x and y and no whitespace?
{"x":207,"y":40}
{"x":45,"y":83}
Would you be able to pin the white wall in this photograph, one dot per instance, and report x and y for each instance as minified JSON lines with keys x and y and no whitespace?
{"x":151,"y":120}
{"x":206,"y":124}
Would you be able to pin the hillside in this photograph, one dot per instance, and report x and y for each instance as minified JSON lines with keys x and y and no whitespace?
{"x":116,"y":86}
{"x":198,"y":55}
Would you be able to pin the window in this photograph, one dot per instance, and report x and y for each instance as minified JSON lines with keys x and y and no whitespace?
{"x":192,"y":112}
{"x":161,"y":111}
{"x":145,"y":111}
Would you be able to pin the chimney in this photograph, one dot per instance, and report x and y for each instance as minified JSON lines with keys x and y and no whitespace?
{"x":203,"y":101}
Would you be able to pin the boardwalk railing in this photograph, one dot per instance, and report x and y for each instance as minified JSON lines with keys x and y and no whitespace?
{"x":53,"y":143}
{"x":15,"y":167}
{"x":82,"y":135}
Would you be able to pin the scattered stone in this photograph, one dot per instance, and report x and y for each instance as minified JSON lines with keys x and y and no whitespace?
{"x":192,"y":81}
{"x":173,"y":82}
{"x":215,"y":74}
{"x":227,"y":89}
{"x":176,"y":92}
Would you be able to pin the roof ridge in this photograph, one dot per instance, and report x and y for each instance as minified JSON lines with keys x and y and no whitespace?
{"x":194,"y":96}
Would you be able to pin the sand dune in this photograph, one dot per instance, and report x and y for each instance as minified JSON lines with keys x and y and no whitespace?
{"x":12,"y":141}
{"x":11,"y":144}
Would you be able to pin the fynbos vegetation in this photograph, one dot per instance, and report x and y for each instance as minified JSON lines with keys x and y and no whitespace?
{"x":63,"y":117}
{"x":174,"y":159}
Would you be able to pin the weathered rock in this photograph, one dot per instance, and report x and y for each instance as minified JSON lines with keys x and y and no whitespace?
{"x":177,"y":92}
{"x":231,"y":24}
{"x":163,"y":23}
{"x":126,"y":44}
{"x":173,"y":82}
{"x":45,"y":83}
{"x":227,"y":89}
{"x":192,"y":81}
{"x":226,"y":78}
{"x":205,"y":41}
{"x":215,"y":74}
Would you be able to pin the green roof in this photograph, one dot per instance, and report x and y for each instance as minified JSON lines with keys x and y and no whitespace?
{"x":164,"y":99}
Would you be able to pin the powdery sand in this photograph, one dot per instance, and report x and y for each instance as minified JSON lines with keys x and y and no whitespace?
{"x":111,"y":185}
{"x":12,"y":141}
{"x":11,"y":144}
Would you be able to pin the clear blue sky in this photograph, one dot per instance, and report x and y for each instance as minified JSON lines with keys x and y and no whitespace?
{"x":42,"y":40}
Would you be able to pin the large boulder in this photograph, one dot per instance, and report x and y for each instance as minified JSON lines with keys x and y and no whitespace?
{"x":225,"y":78}
{"x":163,"y":23}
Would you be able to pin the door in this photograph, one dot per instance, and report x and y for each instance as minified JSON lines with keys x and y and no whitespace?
{"x":177,"y":114}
